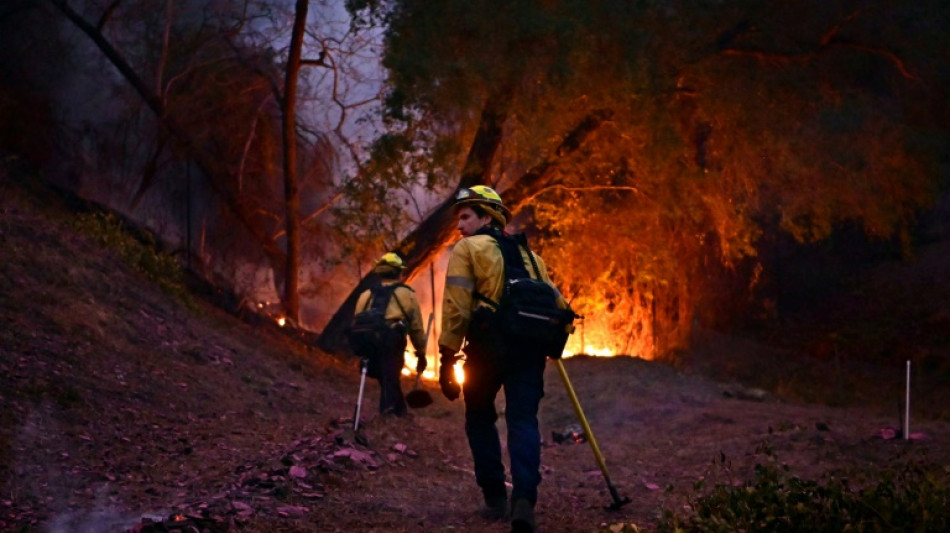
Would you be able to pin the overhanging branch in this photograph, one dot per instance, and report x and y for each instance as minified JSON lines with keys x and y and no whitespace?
{"x":435,"y":232}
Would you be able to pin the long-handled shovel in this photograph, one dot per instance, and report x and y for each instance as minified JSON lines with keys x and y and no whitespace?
{"x":618,"y":502}
{"x":359,"y":403}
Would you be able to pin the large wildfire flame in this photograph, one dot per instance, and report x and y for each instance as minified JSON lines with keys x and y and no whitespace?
{"x":594,"y":340}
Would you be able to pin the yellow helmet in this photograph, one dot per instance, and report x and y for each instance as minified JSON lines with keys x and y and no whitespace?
{"x":486,"y":198}
{"x":391,"y":260}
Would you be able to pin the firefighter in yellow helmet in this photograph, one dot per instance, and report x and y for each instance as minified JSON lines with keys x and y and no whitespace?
{"x":474,"y":279}
{"x":404,"y":316}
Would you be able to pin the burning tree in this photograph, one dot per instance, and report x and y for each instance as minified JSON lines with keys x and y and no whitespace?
{"x":727,"y":122}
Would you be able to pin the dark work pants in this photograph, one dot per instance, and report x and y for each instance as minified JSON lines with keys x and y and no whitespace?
{"x":391,"y":400}
{"x":524,"y":388}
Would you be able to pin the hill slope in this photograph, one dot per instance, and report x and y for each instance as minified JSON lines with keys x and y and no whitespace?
{"x":109,"y":382}
{"x":124,"y":408}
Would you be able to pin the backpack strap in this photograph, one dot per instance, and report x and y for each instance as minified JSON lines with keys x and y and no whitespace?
{"x":482,"y":298}
{"x":381,"y":294}
{"x":510,"y":247}
{"x":392,"y":295}
{"x":522,"y":240}
{"x":375,"y":292}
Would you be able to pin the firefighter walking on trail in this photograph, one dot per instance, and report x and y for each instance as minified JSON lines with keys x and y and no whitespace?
{"x":385,"y":313}
{"x":474,"y":312}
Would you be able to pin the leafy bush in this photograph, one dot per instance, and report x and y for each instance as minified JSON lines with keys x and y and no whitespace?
{"x":913,"y":497}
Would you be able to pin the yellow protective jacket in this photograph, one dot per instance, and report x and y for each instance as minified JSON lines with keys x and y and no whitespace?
{"x":404,"y":299}
{"x":476,"y":264}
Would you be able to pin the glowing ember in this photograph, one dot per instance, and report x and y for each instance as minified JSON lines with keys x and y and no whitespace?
{"x":281,"y":321}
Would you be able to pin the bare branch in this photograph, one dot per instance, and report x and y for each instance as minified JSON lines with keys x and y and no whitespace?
{"x":831,"y":37}
{"x":780,"y":58}
{"x":899,"y":63}
{"x":274,"y":87}
{"x":589,"y":188}
{"x":320,"y":210}
{"x":107,"y":14}
{"x":247,"y":145}
{"x":185,"y":72}
{"x":768,"y":57}
{"x":319,"y":61}
{"x":163,"y":58}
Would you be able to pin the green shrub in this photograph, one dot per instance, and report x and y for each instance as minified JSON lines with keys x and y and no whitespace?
{"x":140,"y":253}
{"x":913,"y":497}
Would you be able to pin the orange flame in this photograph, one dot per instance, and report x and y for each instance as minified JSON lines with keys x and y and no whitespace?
{"x":590,"y":350}
{"x":593,"y":338}
{"x":409,"y":369}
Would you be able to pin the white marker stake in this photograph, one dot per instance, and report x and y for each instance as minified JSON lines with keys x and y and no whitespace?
{"x":907,"y":405}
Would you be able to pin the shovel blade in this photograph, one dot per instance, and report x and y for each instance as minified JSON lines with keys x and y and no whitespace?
{"x":617,"y":502}
{"x":418,"y":398}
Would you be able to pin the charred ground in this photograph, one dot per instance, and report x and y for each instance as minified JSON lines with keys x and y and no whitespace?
{"x":123,"y":401}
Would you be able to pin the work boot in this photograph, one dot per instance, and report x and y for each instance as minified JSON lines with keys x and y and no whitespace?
{"x":496,"y":508}
{"x":496,"y":502}
{"x":522,"y":516}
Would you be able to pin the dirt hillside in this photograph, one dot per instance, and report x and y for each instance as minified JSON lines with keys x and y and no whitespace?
{"x":128,"y":408}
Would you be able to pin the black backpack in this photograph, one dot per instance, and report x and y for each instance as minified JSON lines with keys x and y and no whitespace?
{"x":371,"y":336}
{"x":528,"y":318}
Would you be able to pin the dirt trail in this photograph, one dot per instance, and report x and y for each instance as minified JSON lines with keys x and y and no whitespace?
{"x":660,"y":431}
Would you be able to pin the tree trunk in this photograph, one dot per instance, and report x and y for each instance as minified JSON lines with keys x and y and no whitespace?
{"x":291,"y":196}
{"x":434,"y":233}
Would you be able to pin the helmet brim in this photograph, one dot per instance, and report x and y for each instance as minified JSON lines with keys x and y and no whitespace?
{"x":491,"y":206}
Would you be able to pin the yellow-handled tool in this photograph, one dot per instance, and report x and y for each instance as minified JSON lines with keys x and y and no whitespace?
{"x":419,"y":398}
{"x":618,"y":502}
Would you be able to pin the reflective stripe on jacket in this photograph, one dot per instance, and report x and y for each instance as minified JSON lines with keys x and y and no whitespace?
{"x":404,"y":298}
{"x":476,"y":264}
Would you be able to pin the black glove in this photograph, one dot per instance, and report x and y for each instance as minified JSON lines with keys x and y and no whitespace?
{"x":421,"y":363}
{"x":450,"y":388}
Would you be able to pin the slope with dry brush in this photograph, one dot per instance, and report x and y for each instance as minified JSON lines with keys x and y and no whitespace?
{"x":133,"y":405}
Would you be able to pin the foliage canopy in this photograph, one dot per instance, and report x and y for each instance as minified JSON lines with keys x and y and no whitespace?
{"x":730,"y":121}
